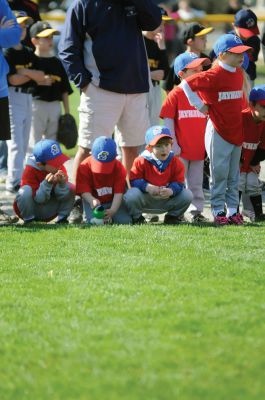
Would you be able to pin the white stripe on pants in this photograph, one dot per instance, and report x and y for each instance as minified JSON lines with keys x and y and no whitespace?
{"x":224,"y":167}
{"x":194,"y":180}
{"x":20,"y":107}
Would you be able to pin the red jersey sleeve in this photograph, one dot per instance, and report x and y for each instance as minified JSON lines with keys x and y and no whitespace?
{"x":137,"y":170}
{"x":178,"y":170}
{"x":120,"y":178}
{"x":84,"y":178}
{"x":32,"y":177}
{"x":170,"y":105}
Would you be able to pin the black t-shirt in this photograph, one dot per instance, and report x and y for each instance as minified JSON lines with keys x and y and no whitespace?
{"x":157,"y":58}
{"x":254,"y":42}
{"x":52,"y":66}
{"x":21,"y":58}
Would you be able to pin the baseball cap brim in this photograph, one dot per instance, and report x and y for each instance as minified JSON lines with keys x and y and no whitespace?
{"x":198,"y":61}
{"x":166,"y":18}
{"x":261,"y":102}
{"x":26,"y":19}
{"x":47,"y":32}
{"x":157,"y":138}
{"x":204,"y":31}
{"x":239,"y":49}
{"x":58,"y":161}
{"x":247,"y":33}
{"x":99,"y":167}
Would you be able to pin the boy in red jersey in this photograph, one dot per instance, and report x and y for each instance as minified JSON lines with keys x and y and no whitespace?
{"x":221,"y":94}
{"x":45,"y":192}
{"x":254,"y":132}
{"x":188,"y":129}
{"x":101,"y":180}
{"x":157,"y":180}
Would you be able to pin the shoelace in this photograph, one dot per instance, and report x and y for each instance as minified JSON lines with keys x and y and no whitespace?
{"x":237,"y":219}
{"x":221,"y":219}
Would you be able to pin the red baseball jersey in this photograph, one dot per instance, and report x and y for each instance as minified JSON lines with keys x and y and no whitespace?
{"x":189,"y":124}
{"x":143,"y":169}
{"x":253,"y":133}
{"x":33,"y":177}
{"x":101,"y":186}
{"x":222,"y":91}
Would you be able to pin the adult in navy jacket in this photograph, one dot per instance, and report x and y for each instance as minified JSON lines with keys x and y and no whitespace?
{"x":103,"y":52}
{"x":10,"y":33}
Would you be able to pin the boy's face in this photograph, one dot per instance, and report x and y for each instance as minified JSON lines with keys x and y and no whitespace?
{"x":48,"y":168}
{"x":232,"y":59}
{"x":162,"y":149}
{"x":259,"y":112}
{"x":23,"y":26}
{"x":198,"y":44}
{"x":45,"y":45}
{"x":190,"y":71}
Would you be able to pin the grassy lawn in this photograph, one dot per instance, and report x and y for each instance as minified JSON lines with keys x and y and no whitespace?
{"x":148,"y":312}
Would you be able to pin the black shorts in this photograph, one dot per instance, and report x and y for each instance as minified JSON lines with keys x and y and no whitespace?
{"x":4,"y":118}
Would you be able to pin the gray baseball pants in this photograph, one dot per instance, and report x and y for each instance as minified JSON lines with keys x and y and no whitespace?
{"x":194,"y":180}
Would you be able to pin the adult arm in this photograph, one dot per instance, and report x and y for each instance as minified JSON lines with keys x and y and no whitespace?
{"x":10,"y":33}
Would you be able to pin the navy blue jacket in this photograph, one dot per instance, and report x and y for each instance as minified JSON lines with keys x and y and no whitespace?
{"x":102,"y":42}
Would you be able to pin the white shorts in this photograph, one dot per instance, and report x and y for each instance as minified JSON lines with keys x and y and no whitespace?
{"x":101,"y":110}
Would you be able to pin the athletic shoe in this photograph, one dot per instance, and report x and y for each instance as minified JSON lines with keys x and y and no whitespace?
{"x":62,"y":221}
{"x":260,"y":218}
{"x":139,"y":221}
{"x":236,"y":219}
{"x":199,"y":218}
{"x":174,"y":220}
{"x":249,"y":214}
{"x":221,"y":219}
{"x":6,"y":219}
{"x":76,"y":215}
{"x":151,"y":218}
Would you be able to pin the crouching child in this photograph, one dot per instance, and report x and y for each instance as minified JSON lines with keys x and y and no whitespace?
{"x":45,"y":192}
{"x":157,"y":180}
{"x":101,"y":181}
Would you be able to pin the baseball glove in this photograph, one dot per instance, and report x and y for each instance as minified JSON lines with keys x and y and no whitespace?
{"x":67,"y":131}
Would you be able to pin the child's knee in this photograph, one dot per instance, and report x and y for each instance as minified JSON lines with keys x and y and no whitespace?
{"x":25,"y":193}
{"x":132,"y":195}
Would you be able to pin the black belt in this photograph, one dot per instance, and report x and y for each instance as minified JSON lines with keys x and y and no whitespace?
{"x":22,"y":90}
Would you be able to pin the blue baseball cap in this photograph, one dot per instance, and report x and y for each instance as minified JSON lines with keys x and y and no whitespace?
{"x":155,"y":133}
{"x":231,"y":43}
{"x":188,"y":60}
{"x":104,"y":153}
{"x":48,"y":151}
{"x":257,"y":94}
{"x":245,"y":62}
{"x":247,"y":23}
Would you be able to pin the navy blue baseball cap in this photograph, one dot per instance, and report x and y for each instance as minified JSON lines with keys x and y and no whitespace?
{"x":247,"y":23}
{"x":188,"y":60}
{"x":155,"y":133}
{"x":48,"y":151}
{"x":257,"y":94}
{"x":230,"y":43}
{"x":104,"y":153}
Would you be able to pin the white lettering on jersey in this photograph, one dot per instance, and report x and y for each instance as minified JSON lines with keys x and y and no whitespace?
{"x":250,"y":146}
{"x":105,"y":190}
{"x":230,"y":95}
{"x":190,"y":114}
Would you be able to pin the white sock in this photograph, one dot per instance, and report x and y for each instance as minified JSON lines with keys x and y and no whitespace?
{"x":231,"y":211}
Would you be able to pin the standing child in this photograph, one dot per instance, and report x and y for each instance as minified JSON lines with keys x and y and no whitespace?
{"x":159,"y":67}
{"x":157,"y":180}
{"x":46,"y":105}
{"x":254,"y":132}
{"x":101,"y":180}
{"x":45,"y":192}
{"x":221,"y":94}
{"x":188,"y":129}
{"x":21,"y":78}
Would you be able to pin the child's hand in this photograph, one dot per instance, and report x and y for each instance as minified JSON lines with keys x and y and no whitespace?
{"x":255,"y":168}
{"x":94,"y":203}
{"x":160,"y":40}
{"x":50,"y":178}
{"x":153,"y":190}
{"x":165,"y":193}
{"x":157,"y":75}
{"x":60,"y":177}
{"x":108,"y":216}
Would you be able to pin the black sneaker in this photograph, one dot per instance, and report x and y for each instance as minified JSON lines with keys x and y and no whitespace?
{"x":139,"y":221}
{"x":63,"y":220}
{"x":76,"y":215}
{"x":174,"y":220}
{"x":260,"y":218}
{"x":13,"y":190}
{"x":198,"y":218}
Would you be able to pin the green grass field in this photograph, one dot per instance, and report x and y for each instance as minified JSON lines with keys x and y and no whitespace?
{"x":150,"y":312}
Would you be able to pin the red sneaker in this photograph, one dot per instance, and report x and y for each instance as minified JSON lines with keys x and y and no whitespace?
{"x":221,"y":219}
{"x":236,"y":219}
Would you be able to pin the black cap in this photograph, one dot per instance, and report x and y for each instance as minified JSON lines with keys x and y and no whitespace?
{"x":194,"y":29}
{"x":42,"y":29}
